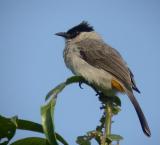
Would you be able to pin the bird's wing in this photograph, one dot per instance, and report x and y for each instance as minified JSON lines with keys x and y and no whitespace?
{"x":102,"y":56}
{"x":134,"y":86}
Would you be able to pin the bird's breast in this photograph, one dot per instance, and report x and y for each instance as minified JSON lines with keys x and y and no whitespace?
{"x":80,"y":67}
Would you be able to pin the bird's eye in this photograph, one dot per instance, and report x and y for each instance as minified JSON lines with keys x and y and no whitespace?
{"x":76,"y":32}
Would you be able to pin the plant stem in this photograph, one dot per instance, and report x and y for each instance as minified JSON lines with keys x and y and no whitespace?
{"x":108,"y":121}
{"x":108,"y":111}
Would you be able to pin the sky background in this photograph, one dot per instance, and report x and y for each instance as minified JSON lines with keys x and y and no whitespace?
{"x":31,"y":63}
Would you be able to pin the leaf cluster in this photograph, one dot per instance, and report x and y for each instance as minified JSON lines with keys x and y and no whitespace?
{"x":9,"y":126}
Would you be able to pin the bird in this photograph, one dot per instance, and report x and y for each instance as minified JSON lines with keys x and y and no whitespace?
{"x":87,"y":55}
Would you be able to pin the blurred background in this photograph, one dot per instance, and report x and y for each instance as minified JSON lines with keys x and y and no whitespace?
{"x":31,"y":63}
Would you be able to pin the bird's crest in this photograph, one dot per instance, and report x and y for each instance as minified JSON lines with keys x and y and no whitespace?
{"x":82,"y":27}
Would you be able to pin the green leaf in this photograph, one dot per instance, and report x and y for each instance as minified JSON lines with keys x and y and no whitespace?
{"x":117,"y":101}
{"x":75,"y":79}
{"x":9,"y":124}
{"x":48,"y":110}
{"x":86,"y":139}
{"x":83,"y":140}
{"x":47,"y":121}
{"x":115,"y":110}
{"x":61,"y":139}
{"x":29,"y":125}
{"x":32,"y":126}
{"x":54,"y":92}
{"x":114,"y":137}
{"x":7,"y":130}
{"x":31,"y":141}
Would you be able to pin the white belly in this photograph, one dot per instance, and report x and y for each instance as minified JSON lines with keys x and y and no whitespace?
{"x":92,"y":74}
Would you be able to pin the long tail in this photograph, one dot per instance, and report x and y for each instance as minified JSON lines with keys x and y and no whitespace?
{"x":140,"y":114}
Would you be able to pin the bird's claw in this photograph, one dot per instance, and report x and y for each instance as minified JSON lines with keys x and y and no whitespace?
{"x":102,"y":107}
{"x":98,"y":93}
{"x":80,"y":84}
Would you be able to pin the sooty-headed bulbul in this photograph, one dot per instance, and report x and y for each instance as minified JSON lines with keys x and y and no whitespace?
{"x":87,"y":55}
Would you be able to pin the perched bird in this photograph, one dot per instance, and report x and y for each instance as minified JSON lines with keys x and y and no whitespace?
{"x":87,"y":55}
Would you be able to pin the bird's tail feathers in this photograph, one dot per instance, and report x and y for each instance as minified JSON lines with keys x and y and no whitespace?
{"x":140,"y":114}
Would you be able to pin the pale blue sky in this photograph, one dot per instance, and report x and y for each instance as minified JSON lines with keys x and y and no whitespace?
{"x":32,"y":63}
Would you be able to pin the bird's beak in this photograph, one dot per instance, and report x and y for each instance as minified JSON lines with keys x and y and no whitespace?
{"x":62,"y":34}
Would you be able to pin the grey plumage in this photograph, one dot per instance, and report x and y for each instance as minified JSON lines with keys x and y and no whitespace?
{"x":87,"y":55}
{"x":102,"y":56}
{"x":111,"y":61}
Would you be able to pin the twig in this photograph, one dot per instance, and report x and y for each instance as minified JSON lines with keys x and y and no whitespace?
{"x":108,"y":120}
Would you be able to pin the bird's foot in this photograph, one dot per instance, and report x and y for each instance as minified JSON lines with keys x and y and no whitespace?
{"x":99,"y":93}
{"x":80,"y":84}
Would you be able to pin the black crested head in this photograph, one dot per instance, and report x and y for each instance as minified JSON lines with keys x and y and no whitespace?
{"x":82,"y":27}
{"x":76,"y":30}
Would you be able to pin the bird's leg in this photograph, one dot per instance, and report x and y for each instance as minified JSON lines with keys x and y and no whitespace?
{"x":98,"y":93}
